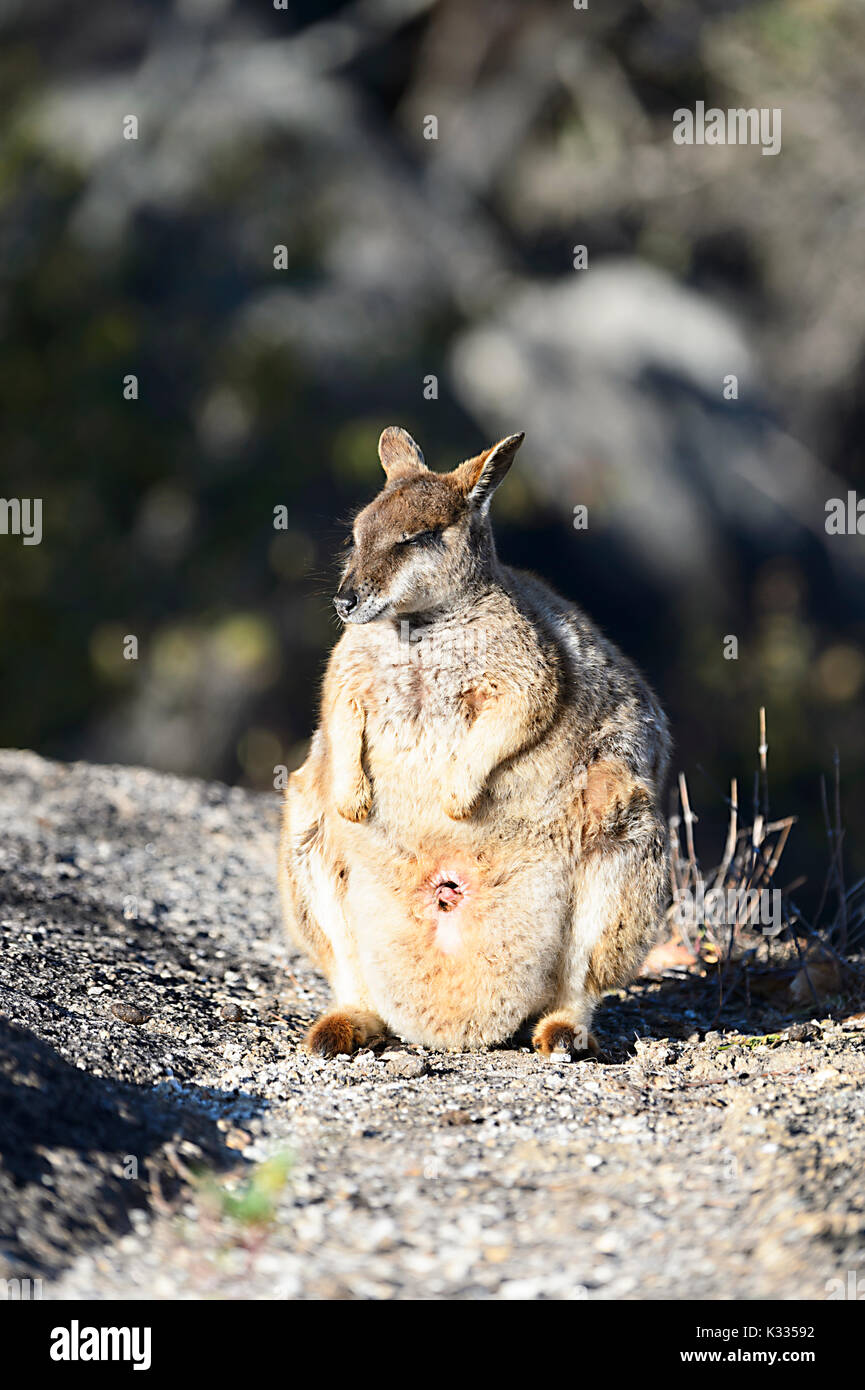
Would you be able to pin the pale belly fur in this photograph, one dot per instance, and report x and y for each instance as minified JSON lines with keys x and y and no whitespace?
{"x":454,"y":927}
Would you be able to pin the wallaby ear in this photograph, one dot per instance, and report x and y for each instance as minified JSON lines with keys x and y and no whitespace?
{"x":399,"y":454}
{"x":479,"y":477}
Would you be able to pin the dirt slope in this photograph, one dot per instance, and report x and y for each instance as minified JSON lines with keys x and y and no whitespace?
{"x":688,"y":1166}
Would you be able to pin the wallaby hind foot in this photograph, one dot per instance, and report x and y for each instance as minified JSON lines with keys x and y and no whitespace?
{"x":559,"y":1032}
{"x":344,"y":1030}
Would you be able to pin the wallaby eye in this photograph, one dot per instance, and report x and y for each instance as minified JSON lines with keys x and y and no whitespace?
{"x":420,"y":536}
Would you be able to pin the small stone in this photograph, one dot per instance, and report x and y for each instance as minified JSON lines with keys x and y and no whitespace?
{"x":801,"y":1032}
{"x":497,"y":1254}
{"x":237,"y":1139}
{"x":404,"y":1064}
{"x":231,"y":1013}
{"x":128,"y":1013}
{"x":457,"y":1117}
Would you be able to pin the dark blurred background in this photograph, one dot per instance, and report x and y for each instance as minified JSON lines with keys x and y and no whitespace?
{"x":409,"y":258}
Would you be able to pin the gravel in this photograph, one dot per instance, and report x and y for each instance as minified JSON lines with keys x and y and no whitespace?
{"x":164,"y":1135}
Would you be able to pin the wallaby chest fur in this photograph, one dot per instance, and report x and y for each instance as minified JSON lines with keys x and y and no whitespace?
{"x":474,"y":839}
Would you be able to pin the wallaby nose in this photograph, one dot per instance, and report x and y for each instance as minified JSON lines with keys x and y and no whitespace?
{"x":345,"y":602}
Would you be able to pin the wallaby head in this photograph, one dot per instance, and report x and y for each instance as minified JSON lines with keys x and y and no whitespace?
{"x":425,"y":542}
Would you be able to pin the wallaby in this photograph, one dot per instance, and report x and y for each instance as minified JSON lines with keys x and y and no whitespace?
{"x":474,"y":840}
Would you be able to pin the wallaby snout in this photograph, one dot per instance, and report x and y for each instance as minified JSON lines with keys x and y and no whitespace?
{"x":345,"y":601}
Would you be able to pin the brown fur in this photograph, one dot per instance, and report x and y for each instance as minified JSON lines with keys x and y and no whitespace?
{"x":343,"y":1032}
{"x":475,"y":837}
{"x":556,"y":1033}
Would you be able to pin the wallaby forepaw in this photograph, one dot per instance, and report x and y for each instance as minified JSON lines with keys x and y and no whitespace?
{"x":357,"y":805}
{"x":460,"y":802}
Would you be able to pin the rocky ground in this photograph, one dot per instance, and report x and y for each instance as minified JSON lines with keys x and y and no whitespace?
{"x":162,"y":1134}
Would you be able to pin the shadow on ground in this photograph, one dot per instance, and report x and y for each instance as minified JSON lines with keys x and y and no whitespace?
{"x":687,"y":1006}
{"x":78,"y":1152}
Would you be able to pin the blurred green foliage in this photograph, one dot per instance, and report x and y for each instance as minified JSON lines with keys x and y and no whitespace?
{"x":259,"y":389}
